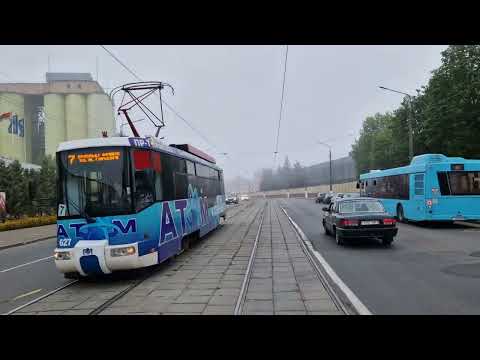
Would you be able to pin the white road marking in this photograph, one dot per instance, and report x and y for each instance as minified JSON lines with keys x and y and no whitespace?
{"x":40,"y":298}
{"x":26,"y":294}
{"x":356,"y":303}
{"x":28,"y":263}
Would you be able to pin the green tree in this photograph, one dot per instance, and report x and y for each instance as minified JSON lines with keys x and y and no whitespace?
{"x":45,"y":195}
{"x":16,"y":189}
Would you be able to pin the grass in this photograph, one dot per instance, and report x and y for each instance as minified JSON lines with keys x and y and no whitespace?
{"x":28,"y":222}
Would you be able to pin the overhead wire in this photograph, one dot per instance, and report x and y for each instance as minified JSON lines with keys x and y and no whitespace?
{"x":204,"y":138}
{"x":281,"y":107}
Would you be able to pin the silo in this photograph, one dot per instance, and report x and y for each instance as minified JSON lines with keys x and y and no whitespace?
{"x":12,"y":143}
{"x":54,"y":122}
{"x":100,"y":115}
{"x":75,"y":116}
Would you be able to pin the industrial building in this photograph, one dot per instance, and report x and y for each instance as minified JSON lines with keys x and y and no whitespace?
{"x":36,"y":117}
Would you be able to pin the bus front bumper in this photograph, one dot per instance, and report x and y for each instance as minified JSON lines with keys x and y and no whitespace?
{"x":97,"y":257}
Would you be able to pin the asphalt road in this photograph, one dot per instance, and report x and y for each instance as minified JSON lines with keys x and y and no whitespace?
{"x":27,"y":272}
{"x":427,"y":270}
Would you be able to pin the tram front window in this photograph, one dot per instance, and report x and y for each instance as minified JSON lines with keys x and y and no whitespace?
{"x":94,"y":182}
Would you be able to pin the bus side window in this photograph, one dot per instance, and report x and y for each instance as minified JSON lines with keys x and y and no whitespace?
{"x":419,"y":184}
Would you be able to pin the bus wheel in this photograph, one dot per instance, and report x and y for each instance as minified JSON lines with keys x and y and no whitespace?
{"x":400,"y":214}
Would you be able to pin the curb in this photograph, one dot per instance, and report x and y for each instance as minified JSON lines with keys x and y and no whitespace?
{"x":26,"y":243}
{"x":468,"y":224}
{"x":347,"y":299}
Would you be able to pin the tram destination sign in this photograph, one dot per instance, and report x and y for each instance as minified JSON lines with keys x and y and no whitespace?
{"x":93,"y":157}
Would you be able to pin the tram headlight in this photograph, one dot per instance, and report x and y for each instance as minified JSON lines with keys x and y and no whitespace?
{"x":123,"y":251}
{"x":62,"y":255}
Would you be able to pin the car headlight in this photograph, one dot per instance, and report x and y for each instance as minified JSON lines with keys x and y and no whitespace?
{"x":62,"y":255}
{"x":123,"y":251}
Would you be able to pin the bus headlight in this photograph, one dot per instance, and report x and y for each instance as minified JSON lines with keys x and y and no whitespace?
{"x":62,"y":255}
{"x":123,"y":251}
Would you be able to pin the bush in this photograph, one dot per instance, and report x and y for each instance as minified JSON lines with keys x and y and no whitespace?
{"x":28,"y":222}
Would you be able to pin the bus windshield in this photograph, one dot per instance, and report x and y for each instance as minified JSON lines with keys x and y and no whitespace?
{"x":94,"y":182}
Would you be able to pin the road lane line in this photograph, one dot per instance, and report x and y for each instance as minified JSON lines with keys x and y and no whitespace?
{"x":355,"y":301}
{"x":28,"y":263}
{"x":40,"y":298}
{"x":26,"y":294}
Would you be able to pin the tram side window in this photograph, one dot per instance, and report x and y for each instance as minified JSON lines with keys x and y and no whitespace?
{"x":203,"y":171}
{"x":144,"y":179}
{"x":190,"y":168}
{"x":181,"y":186}
{"x":157,"y":168}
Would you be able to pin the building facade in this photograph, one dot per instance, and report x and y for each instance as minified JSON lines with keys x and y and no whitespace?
{"x":36,"y":117}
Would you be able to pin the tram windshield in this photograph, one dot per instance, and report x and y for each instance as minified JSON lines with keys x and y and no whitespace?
{"x":94,"y":182}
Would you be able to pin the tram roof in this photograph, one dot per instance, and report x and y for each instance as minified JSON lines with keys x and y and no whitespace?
{"x":141,"y":143}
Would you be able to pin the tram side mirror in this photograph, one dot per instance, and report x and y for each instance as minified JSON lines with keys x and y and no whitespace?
{"x":326,"y":209}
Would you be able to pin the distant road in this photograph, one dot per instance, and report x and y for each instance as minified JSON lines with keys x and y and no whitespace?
{"x":428,"y":270}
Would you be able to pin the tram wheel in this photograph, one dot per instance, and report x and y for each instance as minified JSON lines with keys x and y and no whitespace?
{"x":72,"y":275}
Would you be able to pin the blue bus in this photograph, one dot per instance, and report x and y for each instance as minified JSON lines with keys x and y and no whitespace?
{"x":433,"y":187}
{"x":126,"y":203}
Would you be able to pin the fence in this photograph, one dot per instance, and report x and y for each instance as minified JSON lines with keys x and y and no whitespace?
{"x":307,"y":192}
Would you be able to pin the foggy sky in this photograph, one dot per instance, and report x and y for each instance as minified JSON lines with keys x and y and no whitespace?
{"x":232,"y":93}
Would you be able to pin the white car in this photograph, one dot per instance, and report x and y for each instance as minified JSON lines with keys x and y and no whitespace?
{"x":244,"y":197}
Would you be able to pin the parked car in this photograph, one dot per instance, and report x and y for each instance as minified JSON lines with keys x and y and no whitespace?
{"x":350,"y":195}
{"x":360,"y":217}
{"x":329,"y":198}
{"x":244,"y":197}
{"x":320,"y":198}
{"x":231,"y":199}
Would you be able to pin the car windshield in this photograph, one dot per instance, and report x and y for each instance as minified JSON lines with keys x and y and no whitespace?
{"x":348,"y":207}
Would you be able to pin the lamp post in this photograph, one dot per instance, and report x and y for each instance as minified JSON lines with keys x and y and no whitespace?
{"x":330,"y":159}
{"x":410,"y":120}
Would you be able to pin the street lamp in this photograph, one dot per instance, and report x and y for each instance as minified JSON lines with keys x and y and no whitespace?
{"x":410,"y":119}
{"x":330,"y":159}
{"x":330,"y":154}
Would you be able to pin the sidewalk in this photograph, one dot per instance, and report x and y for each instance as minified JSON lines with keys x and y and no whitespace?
{"x":19,"y":237}
{"x":208,"y":278}
{"x":283,"y":281}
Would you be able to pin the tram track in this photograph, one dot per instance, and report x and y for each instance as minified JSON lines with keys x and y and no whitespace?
{"x":239,"y":306}
{"x":133,"y":283}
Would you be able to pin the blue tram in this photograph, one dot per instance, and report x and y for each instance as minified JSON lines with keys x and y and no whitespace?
{"x":126,"y":203}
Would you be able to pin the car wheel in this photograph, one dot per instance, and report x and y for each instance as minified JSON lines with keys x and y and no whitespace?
{"x":387,"y":240}
{"x":338,"y":239}
{"x":325,"y":228}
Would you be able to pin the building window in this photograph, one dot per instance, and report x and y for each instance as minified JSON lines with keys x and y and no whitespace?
{"x":68,"y":86}
{"x":79,"y":86}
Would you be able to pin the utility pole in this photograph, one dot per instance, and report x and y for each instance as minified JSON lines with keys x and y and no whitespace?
{"x":409,"y":120}
{"x":96,"y":68}
{"x":410,"y":130}
{"x":330,"y":160}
